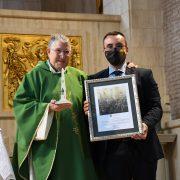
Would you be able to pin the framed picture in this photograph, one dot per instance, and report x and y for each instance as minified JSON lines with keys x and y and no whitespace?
{"x":114,"y":110}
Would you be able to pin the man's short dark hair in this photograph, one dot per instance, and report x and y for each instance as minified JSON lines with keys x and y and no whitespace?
{"x":113,"y":33}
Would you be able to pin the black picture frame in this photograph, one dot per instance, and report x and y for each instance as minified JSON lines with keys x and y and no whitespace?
{"x":114,"y":110}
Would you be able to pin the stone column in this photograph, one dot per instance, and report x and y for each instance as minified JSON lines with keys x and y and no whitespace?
{"x":119,"y":7}
{"x":172,"y":53}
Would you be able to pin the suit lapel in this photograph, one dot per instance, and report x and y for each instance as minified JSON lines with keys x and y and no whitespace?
{"x":105,"y":73}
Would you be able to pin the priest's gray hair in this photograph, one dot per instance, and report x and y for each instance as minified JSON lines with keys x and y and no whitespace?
{"x":58,"y":37}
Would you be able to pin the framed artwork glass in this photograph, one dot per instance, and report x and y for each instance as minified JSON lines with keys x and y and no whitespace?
{"x":114,"y":110}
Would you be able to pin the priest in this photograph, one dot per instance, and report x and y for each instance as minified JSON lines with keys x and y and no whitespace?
{"x":52,"y":137}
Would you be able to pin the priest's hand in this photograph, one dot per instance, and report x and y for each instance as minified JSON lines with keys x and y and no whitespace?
{"x":58,"y":107}
{"x":86,"y":107}
{"x":143,"y":135}
{"x":131,"y":65}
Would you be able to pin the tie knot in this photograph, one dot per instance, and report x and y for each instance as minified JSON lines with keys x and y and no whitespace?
{"x":117,"y":73}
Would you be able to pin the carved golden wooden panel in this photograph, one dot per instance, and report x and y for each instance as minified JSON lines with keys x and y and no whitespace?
{"x":20,"y":53}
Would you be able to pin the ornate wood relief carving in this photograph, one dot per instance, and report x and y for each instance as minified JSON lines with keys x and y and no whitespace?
{"x":20,"y":53}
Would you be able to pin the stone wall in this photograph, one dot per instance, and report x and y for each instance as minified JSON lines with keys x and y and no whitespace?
{"x":171,"y":27}
{"x":171,"y":30}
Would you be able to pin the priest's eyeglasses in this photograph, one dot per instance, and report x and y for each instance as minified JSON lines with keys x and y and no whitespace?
{"x":60,"y":51}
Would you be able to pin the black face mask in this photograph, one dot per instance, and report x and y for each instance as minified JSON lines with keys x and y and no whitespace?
{"x":115,"y":57}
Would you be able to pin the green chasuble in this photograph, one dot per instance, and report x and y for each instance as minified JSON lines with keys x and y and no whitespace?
{"x":64,"y":155}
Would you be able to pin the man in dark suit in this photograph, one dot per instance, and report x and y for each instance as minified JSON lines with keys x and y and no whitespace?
{"x":136,"y":157}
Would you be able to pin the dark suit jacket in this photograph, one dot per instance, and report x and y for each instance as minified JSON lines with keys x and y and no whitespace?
{"x":151,"y":112}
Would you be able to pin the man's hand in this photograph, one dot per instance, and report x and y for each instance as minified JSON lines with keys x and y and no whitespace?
{"x":58,"y":107}
{"x":143,"y":135}
{"x":86,"y":107}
